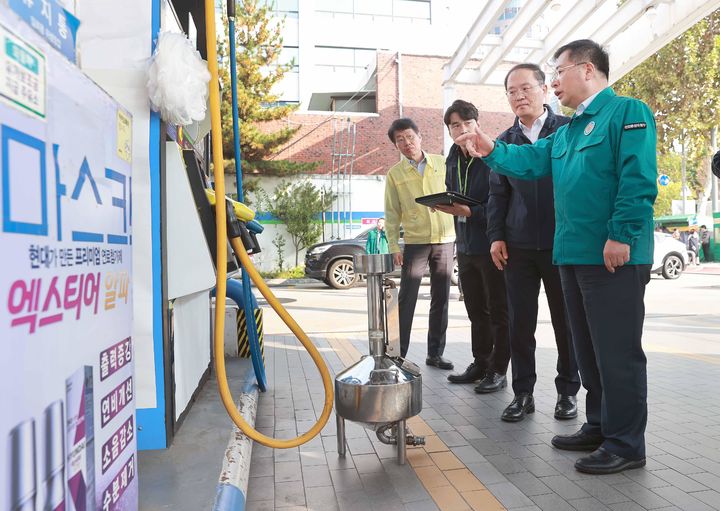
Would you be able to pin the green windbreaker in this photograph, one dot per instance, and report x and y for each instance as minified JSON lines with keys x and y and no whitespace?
{"x":604,"y":171}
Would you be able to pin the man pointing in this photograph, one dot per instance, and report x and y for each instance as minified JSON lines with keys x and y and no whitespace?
{"x":604,"y":169}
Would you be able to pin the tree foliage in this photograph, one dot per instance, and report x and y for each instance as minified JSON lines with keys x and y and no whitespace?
{"x":298,"y":205}
{"x":258,"y":41}
{"x":681,"y":84}
{"x":668,"y":164}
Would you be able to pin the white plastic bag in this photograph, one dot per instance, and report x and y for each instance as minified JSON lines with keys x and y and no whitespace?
{"x":178,"y":80}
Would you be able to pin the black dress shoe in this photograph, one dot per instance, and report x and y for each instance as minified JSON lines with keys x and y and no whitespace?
{"x":520,"y":406}
{"x":439,"y":362}
{"x":471,"y":374}
{"x":491,"y":383}
{"x":579,"y":441}
{"x":604,"y":462}
{"x":566,"y":407}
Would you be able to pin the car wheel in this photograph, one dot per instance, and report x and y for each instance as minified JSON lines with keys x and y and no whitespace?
{"x":672,"y":267}
{"x":341,"y":275}
{"x":454,"y":276}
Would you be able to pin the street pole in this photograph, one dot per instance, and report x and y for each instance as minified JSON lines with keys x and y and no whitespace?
{"x":684,"y":180}
{"x":713,"y":179}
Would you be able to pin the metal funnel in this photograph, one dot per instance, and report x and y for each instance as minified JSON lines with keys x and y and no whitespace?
{"x":381,"y":390}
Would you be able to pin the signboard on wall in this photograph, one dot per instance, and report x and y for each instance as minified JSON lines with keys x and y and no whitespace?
{"x":68,"y":425}
{"x":50,"y":19}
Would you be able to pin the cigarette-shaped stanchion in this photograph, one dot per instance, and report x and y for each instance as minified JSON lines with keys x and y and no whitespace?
{"x":382,"y":390}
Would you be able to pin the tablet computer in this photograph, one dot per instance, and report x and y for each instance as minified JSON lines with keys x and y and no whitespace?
{"x":446,"y":198}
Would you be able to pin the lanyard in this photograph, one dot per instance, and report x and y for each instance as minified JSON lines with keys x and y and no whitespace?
{"x":462,"y":189}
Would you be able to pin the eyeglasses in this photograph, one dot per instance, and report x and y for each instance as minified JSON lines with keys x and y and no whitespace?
{"x":402,"y":140}
{"x":515,"y":93}
{"x":560,"y":70}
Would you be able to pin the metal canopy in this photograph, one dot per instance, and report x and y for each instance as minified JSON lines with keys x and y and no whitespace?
{"x":631,"y":32}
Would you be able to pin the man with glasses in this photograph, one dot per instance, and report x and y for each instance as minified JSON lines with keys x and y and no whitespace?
{"x":604,"y":170}
{"x":483,"y":284}
{"x":428,"y":236}
{"x":521,"y":226}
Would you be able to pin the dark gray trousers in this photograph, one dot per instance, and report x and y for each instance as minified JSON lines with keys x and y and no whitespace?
{"x":523,"y":274}
{"x":606,"y":313}
{"x":486,"y":306}
{"x":416,"y":259}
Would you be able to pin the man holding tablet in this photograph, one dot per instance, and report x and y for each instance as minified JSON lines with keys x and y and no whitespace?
{"x":483,"y":284}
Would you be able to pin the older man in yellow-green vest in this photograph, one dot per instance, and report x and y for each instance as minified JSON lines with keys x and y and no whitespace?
{"x":604,"y":170}
{"x":428,"y":235}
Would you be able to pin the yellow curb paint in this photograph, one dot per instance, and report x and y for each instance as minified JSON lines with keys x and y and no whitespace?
{"x":448,"y":498}
{"x":448,"y":481}
{"x":446,"y":460}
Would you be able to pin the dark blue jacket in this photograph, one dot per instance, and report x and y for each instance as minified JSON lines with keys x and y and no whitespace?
{"x":470,"y":236}
{"x":522,"y":212}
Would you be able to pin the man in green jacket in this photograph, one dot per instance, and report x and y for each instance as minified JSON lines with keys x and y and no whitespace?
{"x":604,"y":173}
{"x":377,"y":242}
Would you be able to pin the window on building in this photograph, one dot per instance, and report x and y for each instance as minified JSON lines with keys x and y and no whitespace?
{"x":286,"y":12}
{"x":290,"y":54}
{"x":358,"y":101}
{"x":281,"y":6}
{"x":407,"y":11}
{"x":338,"y":58}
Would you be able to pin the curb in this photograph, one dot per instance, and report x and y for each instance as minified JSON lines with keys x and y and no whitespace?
{"x":231,"y":493}
{"x":290,"y":282}
{"x":711,"y":268}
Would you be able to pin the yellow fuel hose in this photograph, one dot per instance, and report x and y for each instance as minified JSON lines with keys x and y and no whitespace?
{"x":220,"y":293}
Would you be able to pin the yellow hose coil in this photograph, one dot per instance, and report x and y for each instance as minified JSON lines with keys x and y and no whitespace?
{"x":220,"y":226}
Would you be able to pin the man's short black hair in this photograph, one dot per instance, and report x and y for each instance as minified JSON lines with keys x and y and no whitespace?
{"x":464,"y":109}
{"x":404,"y":123}
{"x":585,"y":50}
{"x":539,"y":74}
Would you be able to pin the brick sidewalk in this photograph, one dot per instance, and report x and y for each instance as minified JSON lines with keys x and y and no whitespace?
{"x":474,"y":460}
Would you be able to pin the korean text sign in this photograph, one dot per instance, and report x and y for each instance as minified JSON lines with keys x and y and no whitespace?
{"x":67,"y":404}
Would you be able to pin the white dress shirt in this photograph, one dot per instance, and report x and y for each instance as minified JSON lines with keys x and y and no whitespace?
{"x":533,"y":132}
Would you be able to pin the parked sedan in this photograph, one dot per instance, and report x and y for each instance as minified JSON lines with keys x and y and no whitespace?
{"x":670,"y":257}
{"x":332,"y":262}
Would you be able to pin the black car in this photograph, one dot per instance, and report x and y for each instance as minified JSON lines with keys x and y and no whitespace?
{"x":332,"y":261}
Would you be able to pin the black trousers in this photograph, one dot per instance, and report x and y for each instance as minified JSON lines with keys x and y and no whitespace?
{"x":416,"y":259}
{"x":486,"y":305}
{"x":524,"y":272}
{"x":706,"y":252}
{"x":606,"y":313}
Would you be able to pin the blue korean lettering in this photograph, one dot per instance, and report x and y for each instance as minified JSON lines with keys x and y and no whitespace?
{"x":118,"y":203}
{"x":60,"y":191}
{"x":9,"y":224}
{"x":86,"y":175}
{"x":83,"y":175}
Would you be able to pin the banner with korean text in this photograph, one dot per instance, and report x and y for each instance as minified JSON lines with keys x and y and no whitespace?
{"x":67,"y":393}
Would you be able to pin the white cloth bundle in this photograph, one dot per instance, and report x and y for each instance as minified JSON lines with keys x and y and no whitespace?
{"x":178,"y":80}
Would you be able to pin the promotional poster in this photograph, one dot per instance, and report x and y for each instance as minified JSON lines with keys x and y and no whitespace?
{"x":67,"y":419}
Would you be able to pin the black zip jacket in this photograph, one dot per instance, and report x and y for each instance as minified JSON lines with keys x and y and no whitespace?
{"x":522,"y":212}
{"x":470,"y":235}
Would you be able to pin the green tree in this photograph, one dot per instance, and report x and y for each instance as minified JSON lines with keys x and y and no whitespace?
{"x":681,"y":84}
{"x":299,"y":205}
{"x":258,"y":43}
{"x":668,"y":164}
{"x":279,"y":243}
